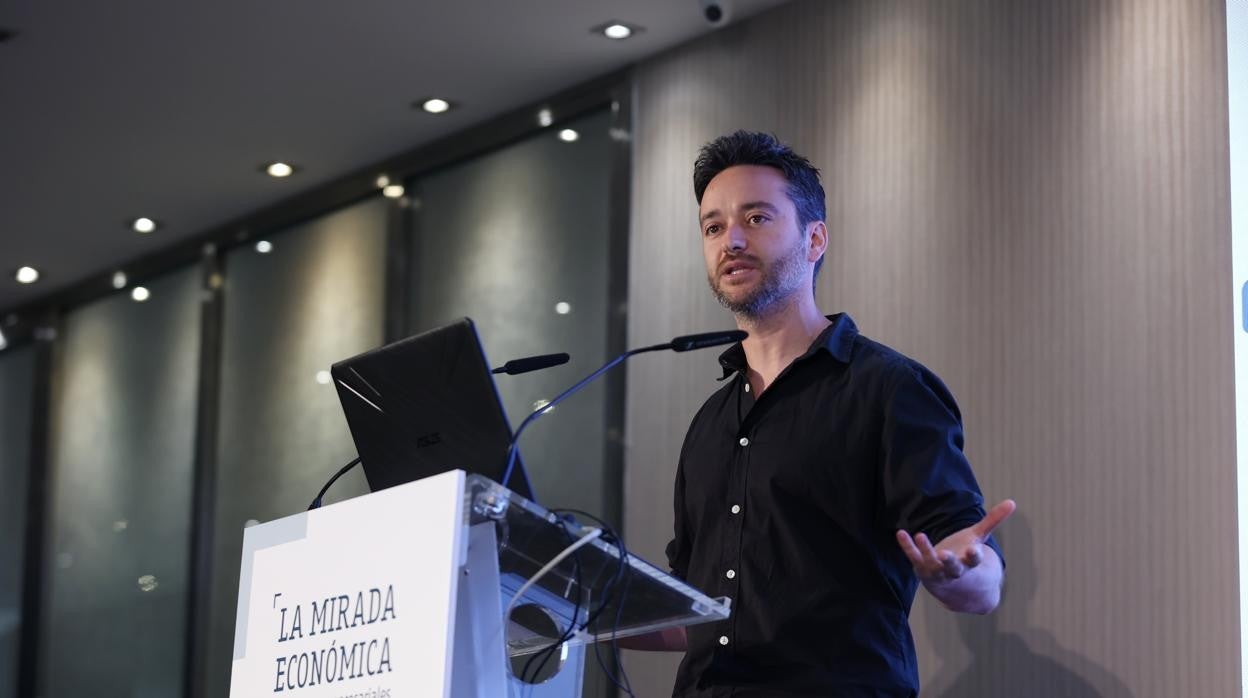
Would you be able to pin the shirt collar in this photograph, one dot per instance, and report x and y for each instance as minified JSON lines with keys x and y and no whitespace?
{"x":837,"y":339}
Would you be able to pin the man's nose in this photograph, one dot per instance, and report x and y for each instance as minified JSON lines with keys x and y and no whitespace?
{"x":735,"y":239}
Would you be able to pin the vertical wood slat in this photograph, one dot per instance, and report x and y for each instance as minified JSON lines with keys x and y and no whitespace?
{"x":1032,"y":199}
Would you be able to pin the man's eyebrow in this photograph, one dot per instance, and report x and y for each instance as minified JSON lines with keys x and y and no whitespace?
{"x":766,"y":206}
{"x":760,"y":204}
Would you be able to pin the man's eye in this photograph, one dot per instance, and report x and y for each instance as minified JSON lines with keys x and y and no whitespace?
{"x":711,"y":230}
{"x":757,"y":219}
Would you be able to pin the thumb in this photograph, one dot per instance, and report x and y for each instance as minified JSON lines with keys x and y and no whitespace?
{"x":994,"y":518}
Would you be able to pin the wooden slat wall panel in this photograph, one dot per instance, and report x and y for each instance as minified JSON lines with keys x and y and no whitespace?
{"x":1032,"y":199}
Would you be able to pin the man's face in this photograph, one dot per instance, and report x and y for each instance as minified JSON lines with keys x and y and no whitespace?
{"x":756,"y":253}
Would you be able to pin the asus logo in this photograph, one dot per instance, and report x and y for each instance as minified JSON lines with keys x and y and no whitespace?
{"x":430,"y":439}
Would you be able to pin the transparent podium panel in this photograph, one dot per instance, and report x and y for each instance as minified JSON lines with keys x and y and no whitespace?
{"x":593,"y":594}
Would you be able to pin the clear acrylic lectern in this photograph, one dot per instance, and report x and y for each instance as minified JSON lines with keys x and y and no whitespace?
{"x":510,"y":540}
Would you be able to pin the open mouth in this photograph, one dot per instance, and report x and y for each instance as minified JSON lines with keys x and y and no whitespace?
{"x":735,"y":269}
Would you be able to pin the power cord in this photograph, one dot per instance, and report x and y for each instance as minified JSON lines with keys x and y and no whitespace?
{"x":316,"y":503}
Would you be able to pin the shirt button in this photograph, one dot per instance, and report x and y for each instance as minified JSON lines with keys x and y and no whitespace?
{"x":747,"y":387}
{"x":723,"y":639}
{"x":736,"y":508}
{"x":730,"y":574}
{"x":744,"y":441}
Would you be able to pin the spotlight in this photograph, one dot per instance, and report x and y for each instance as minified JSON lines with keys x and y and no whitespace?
{"x":435,"y":105}
{"x":143,"y":225}
{"x":279,"y":169}
{"x":568,"y":135}
{"x":383,"y":181}
{"x":563,"y":308}
{"x":264,"y":246}
{"x":140,"y":294}
{"x":3,"y":342}
{"x":27,"y":275}
{"x":323,"y":377}
{"x":119,"y":280}
{"x":392,"y":191}
{"x":545,"y":118}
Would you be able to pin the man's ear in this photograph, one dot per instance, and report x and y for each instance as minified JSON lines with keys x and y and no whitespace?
{"x":818,"y":232}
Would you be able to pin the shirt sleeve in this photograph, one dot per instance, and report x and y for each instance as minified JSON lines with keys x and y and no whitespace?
{"x":678,"y":547}
{"x":927,"y":481}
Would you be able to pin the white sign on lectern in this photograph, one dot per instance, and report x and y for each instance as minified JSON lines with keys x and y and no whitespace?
{"x":353,"y":599}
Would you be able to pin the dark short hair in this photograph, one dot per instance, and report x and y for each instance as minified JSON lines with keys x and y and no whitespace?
{"x":753,"y":148}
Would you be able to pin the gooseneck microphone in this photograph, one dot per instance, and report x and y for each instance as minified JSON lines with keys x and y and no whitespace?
{"x":687,"y":342}
{"x":531,"y":363}
{"x":705,"y":340}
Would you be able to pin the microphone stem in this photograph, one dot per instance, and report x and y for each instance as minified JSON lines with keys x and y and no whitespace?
{"x":515,"y":439}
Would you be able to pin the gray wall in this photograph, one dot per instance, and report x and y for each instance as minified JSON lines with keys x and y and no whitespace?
{"x":122,"y":445}
{"x":1032,"y":199}
{"x":17,"y":386}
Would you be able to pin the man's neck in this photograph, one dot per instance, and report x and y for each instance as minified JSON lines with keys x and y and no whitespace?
{"x":780,"y":336}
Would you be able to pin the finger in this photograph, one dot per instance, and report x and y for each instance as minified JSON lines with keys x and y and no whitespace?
{"x":930,"y":561}
{"x":998,"y":514}
{"x":972,"y":556}
{"x":951,"y":565}
{"x":909,"y":548}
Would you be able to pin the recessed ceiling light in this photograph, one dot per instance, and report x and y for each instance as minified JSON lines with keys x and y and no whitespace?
{"x":568,"y":135}
{"x":323,"y":377}
{"x":279,"y":169}
{"x":617,"y":30}
{"x":435,"y":105}
{"x":383,"y":181}
{"x":143,"y":225}
{"x":140,"y":293}
{"x":119,"y":280}
{"x":27,"y":275}
{"x":563,"y":307}
{"x":264,"y":246}
{"x":392,"y":191}
{"x":3,"y":342}
{"x":545,"y":118}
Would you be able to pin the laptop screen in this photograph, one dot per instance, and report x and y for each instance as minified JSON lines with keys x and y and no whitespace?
{"x":425,"y":405}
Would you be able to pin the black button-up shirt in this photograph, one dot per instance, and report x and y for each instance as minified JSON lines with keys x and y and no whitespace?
{"x":789,"y":505}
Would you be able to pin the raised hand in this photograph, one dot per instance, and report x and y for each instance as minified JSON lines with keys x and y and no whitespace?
{"x":957,"y":554}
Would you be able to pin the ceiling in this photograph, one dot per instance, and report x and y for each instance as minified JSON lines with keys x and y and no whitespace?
{"x":150,"y":108}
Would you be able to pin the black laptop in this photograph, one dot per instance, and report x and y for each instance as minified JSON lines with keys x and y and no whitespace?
{"x":425,"y":405}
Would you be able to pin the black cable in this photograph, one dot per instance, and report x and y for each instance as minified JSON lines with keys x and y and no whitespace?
{"x":316,"y":503}
{"x":547,"y":652}
{"x":615,"y":629}
{"x":623,"y":571}
{"x":609,"y":535}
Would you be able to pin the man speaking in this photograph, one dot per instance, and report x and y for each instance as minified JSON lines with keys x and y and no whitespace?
{"x":825,"y":480}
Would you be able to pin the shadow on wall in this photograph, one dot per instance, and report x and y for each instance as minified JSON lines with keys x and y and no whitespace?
{"x":1025,"y":664}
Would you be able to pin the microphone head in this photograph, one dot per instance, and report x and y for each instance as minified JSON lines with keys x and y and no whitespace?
{"x":532,"y":363}
{"x":690,"y":342}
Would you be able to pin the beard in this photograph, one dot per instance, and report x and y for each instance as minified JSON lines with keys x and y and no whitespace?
{"x":779,"y":280}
